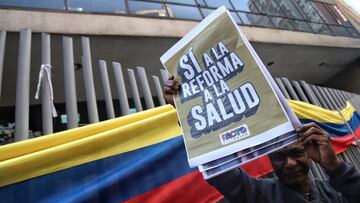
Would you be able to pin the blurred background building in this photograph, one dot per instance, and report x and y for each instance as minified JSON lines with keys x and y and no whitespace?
{"x":317,"y":41}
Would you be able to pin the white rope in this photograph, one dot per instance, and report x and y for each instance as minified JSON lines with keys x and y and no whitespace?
{"x":47,"y":69}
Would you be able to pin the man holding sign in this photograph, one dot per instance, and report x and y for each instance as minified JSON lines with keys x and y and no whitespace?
{"x":231,"y":112}
{"x":291,"y":165}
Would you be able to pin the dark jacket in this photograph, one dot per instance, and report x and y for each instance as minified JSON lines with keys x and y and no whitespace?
{"x":237,"y":186}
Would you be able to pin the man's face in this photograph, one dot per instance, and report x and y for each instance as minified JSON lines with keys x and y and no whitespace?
{"x":291,"y":164}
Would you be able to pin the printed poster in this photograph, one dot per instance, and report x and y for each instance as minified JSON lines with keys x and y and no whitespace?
{"x":227,"y":102}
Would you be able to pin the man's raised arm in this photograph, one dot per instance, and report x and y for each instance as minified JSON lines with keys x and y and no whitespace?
{"x":343,"y":177}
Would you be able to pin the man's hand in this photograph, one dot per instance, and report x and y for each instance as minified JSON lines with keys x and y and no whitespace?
{"x":318,"y":145}
{"x":171,"y":88}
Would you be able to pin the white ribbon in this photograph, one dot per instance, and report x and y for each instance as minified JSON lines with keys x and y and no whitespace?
{"x":47,"y":69}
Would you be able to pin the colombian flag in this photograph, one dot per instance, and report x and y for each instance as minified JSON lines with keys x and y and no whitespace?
{"x":135,"y":158}
{"x":342,"y":125}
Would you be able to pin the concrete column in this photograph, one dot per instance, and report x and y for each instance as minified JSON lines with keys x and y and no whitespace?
{"x":336,"y":98}
{"x":89,"y":81}
{"x":335,"y":105}
{"x":47,"y":119}
{"x":326,"y":98}
{"x":159,"y":90}
{"x":121,"y":90}
{"x":319,"y":97}
{"x":145,"y":89}
{"x":309,"y":93}
{"x":134,"y":90}
{"x":299,"y":91}
{"x":22,"y":86}
{"x":106,"y":88}
{"x":69,"y":81}
{"x":164,"y":75}
{"x":290,"y":89}
{"x":282,"y":88}
{"x":2,"y":54}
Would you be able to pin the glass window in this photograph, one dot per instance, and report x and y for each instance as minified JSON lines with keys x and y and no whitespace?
{"x":340,"y":18}
{"x":206,"y":12}
{"x":339,"y":30}
{"x":289,"y":9}
{"x":254,"y":19}
{"x":50,"y":4}
{"x":201,"y":2}
{"x":353,"y":32}
{"x":190,"y":2}
{"x":218,"y":3}
{"x":184,"y":12}
{"x":306,"y":7}
{"x":320,"y":28}
{"x":325,"y":14}
{"x":147,"y":8}
{"x":302,"y":26}
{"x":117,"y":6}
{"x":244,"y":5}
{"x":268,"y":7}
{"x":283,"y":23}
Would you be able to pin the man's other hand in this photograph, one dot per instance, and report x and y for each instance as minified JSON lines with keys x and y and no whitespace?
{"x":318,"y":146}
{"x":171,"y":88}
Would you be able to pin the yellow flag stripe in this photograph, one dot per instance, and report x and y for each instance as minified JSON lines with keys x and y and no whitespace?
{"x":308,"y":111}
{"x":33,"y":145}
{"x":161,"y":126}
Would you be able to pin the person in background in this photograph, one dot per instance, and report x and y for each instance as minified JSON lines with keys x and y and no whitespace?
{"x":291,"y":165}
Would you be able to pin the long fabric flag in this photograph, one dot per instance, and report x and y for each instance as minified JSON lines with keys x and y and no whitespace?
{"x":335,"y":123}
{"x":135,"y":158}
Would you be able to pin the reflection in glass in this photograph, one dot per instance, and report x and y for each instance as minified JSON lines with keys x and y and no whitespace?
{"x":320,"y":28}
{"x":289,"y":9}
{"x":308,"y":10}
{"x":353,"y":32}
{"x":184,"y":12}
{"x":269,"y":7}
{"x":147,"y":8}
{"x":117,"y":6}
{"x":283,"y":23}
{"x":218,"y":3}
{"x":206,"y":12}
{"x":244,"y":5}
{"x":201,"y":2}
{"x":253,"y":19}
{"x":302,"y":26}
{"x":190,"y":2}
{"x":325,"y":14}
{"x":339,"y":30}
{"x":50,"y":4}
{"x":340,"y":18}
